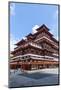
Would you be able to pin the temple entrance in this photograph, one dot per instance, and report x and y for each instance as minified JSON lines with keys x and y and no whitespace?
{"x":33,"y":65}
{"x":26,"y":66}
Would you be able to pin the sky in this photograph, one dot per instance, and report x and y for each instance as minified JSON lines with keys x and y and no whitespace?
{"x":25,"y":18}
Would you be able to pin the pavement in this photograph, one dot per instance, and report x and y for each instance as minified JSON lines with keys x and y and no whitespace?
{"x":40,"y":77}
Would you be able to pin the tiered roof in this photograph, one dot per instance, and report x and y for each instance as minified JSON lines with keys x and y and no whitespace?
{"x":25,"y":43}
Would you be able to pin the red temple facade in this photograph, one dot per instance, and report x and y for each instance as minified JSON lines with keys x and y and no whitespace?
{"x":37,"y":51}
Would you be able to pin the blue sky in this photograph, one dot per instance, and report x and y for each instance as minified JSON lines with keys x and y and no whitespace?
{"x":23,"y":17}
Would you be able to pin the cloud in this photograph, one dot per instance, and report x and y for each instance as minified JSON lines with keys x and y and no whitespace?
{"x":24,"y":38}
{"x":57,"y":38}
{"x":12,"y":9}
{"x":34,"y":29}
{"x":12,"y":42}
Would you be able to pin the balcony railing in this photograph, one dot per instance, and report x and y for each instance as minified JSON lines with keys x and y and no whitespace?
{"x":51,"y":41}
{"x":29,"y":43}
{"x":35,"y":45}
{"x":33,"y":56}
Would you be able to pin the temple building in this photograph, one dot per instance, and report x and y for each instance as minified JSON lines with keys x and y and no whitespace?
{"x":37,"y":51}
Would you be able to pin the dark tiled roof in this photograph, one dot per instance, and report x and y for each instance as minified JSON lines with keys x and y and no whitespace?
{"x":43,"y":26}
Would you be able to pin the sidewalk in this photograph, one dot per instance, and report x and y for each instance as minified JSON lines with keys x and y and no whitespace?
{"x":41,"y":77}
